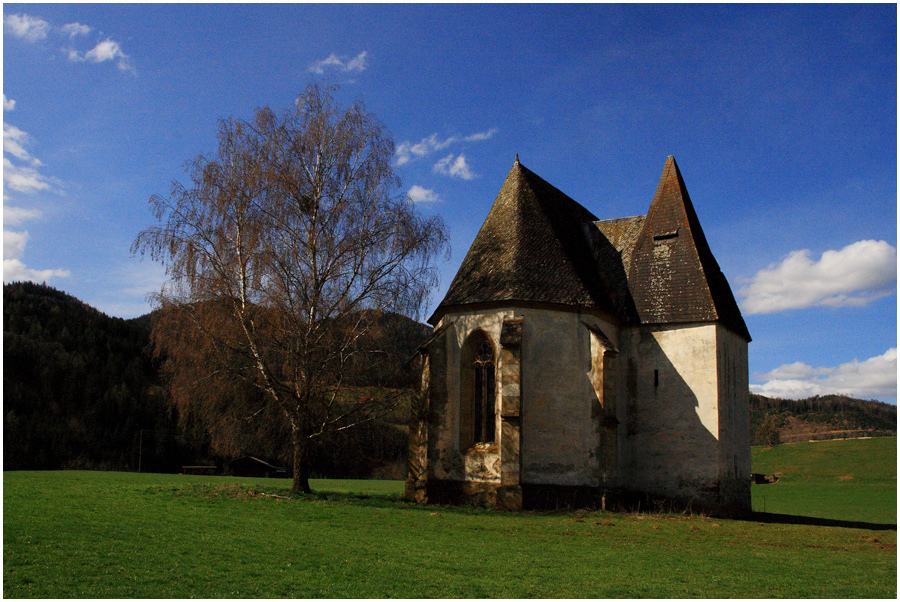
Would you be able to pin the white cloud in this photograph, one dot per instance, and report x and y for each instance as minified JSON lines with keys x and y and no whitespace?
{"x":107,"y":50}
{"x":14,"y":244}
{"x":14,"y":140}
{"x":874,"y":378}
{"x":8,"y":105}
{"x":33,"y":29}
{"x":418,"y":194}
{"x":357,"y":63}
{"x":14,"y":270}
{"x":407,"y":151}
{"x":25,"y":27}
{"x":14,"y":216}
{"x":479,"y":136}
{"x":23,"y":179}
{"x":75,"y":29}
{"x":851,"y":277}
{"x":26,"y":179}
{"x":454,"y":166}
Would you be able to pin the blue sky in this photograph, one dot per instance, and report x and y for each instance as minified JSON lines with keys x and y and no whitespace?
{"x":783,"y":120}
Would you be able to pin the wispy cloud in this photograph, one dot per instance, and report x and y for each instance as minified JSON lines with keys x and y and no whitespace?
{"x":107,"y":50}
{"x":8,"y":105}
{"x":75,"y":29}
{"x":454,"y":166}
{"x":15,"y":216}
{"x":875,"y":378}
{"x":13,"y":268}
{"x":20,"y":174}
{"x":341,"y":63}
{"x":26,"y":27}
{"x":407,"y":151}
{"x":418,"y":194}
{"x":32,"y":29}
{"x":851,"y":277}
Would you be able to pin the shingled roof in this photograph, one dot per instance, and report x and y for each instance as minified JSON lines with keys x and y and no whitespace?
{"x":538,"y":245}
{"x":532,"y":247}
{"x":673,"y":275}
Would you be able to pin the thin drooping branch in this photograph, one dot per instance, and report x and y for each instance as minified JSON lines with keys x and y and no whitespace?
{"x":289,"y":241}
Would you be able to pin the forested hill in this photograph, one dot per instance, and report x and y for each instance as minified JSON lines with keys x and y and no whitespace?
{"x":81,"y":389}
{"x":819,"y":418}
{"x":79,"y":386}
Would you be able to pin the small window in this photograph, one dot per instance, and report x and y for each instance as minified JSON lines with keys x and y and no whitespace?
{"x":666,"y":235}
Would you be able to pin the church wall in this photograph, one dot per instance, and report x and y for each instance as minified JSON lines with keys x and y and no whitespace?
{"x":560,"y":410}
{"x":734,"y":423}
{"x":671,"y":423}
{"x":448,"y":462}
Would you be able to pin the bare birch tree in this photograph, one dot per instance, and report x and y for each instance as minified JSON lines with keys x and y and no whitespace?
{"x":284,"y":241}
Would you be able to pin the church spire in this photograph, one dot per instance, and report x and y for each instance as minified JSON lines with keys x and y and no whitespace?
{"x":674,"y":277}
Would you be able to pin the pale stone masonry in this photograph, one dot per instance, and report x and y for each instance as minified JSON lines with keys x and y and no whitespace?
{"x":585,"y":362}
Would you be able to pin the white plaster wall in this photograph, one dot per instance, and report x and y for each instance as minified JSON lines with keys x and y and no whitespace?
{"x":559,"y":422}
{"x":734,"y":425}
{"x":671,"y":417}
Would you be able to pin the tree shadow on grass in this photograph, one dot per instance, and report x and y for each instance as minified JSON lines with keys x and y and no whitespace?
{"x":792,"y":519}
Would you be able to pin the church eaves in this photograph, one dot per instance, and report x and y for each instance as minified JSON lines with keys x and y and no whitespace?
{"x":673,"y":275}
{"x":531,"y":248}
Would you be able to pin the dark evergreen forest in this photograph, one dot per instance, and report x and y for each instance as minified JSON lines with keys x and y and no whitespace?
{"x":83,"y":390}
{"x":79,"y":387}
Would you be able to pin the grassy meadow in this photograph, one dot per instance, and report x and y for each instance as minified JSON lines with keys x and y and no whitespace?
{"x":125,"y":535}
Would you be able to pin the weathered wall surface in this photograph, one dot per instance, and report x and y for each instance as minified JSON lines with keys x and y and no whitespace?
{"x":671,"y":420}
{"x":579,"y":404}
{"x":734,"y":418}
{"x":561,"y":408}
{"x":480,"y":462}
{"x":560,"y":396}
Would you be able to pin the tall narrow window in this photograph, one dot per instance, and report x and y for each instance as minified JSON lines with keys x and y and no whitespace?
{"x":477,"y":391}
{"x":484,"y":393}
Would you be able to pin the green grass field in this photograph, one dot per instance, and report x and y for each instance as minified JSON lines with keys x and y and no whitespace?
{"x":114,"y":535}
{"x":854,"y":480}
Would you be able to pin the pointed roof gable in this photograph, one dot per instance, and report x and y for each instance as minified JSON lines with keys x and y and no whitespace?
{"x":673,"y":275}
{"x":532,"y":247}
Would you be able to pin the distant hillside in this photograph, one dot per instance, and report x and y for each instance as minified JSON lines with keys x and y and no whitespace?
{"x":81,"y":390}
{"x":79,"y":386}
{"x":818,"y":418}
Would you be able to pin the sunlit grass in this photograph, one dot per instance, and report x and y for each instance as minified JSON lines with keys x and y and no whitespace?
{"x":854,"y":480}
{"x":115,"y":535}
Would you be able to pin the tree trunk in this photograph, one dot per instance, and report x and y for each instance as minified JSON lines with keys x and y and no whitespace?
{"x":301,"y":464}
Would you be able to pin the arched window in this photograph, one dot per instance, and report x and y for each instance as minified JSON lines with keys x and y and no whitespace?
{"x":478,"y":391}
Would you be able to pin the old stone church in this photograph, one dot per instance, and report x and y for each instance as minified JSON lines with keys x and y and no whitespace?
{"x":578,"y":361}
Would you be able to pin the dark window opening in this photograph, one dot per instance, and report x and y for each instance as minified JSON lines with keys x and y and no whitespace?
{"x":477,"y":411}
{"x":484,"y":393}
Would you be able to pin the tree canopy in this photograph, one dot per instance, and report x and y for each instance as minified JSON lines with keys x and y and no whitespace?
{"x":285,"y":244}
